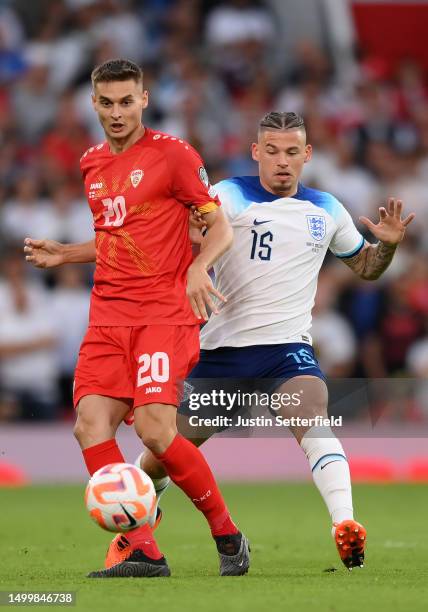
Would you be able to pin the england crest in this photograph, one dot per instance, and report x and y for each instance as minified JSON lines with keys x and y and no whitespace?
{"x":136,"y":176}
{"x":317,"y":227}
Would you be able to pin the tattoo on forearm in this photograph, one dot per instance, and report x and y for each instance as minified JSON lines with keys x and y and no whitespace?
{"x":372,"y":260}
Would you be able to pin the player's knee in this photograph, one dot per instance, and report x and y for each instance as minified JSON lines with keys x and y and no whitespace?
{"x":152,"y":441}
{"x":84,"y":429}
{"x":156,"y":436}
{"x":93,"y":426}
{"x":156,"y":426}
{"x":157,"y":440}
{"x":155,"y":433}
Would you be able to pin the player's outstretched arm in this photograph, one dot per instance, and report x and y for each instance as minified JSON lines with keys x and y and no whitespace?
{"x":199,"y":285}
{"x":50,"y":253}
{"x":373,"y":259}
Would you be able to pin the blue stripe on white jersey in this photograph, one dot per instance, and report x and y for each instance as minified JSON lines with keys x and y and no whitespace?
{"x":246,"y":190}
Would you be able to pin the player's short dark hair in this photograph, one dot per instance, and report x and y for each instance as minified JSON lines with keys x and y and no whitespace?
{"x":281,"y":121}
{"x":116,"y":70}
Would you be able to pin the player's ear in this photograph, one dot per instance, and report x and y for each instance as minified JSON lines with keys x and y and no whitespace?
{"x":255,"y":151}
{"x":308,"y":153}
{"x":145,"y":98}
{"x":93,"y":98}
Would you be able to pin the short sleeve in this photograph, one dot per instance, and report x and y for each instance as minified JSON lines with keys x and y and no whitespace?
{"x":189,"y":180}
{"x":82,"y":168}
{"x":228,"y":195}
{"x":347,"y":240}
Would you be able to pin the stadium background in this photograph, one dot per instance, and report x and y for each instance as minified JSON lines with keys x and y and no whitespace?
{"x":212,"y":70}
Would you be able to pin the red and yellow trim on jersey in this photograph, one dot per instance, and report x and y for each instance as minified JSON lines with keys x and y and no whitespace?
{"x":207,"y":208}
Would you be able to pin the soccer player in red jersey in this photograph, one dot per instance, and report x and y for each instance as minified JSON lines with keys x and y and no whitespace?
{"x":148,"y":299}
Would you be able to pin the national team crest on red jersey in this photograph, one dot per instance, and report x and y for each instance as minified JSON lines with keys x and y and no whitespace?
{"x":136,"y":176}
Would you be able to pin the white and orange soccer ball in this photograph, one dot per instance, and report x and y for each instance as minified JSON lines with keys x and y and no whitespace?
{"x":120,"y":497}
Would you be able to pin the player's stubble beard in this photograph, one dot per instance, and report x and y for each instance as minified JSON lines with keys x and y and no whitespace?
{"x":284,"y":191}
{"x":123,"y":141}
{"x":126,"y":140}
{"x":270,"y":170}
{"x":133,"y":128}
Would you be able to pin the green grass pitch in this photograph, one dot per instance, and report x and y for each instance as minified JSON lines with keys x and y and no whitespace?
{"x":49,"y":543}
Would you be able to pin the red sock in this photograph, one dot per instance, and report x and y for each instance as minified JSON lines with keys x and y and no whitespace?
{"x":97,"y":457}
{"x":186,"y":466}
{"x":102,"y":454}
{"x":142,"y":538}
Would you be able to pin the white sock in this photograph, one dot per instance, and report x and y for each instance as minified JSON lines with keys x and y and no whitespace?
{"x":330,"y":471}
{"x":161,"y":485}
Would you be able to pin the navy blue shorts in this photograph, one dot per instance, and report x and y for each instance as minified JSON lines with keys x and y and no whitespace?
{"x":282,"y":361}
{"x":260,"y":368}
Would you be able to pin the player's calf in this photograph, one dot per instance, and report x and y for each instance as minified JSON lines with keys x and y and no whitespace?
{"x":187,"y":468}
{"x":330,"y":471}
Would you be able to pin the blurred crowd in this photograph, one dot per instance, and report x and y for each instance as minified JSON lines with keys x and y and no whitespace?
{"x":212,"y":70}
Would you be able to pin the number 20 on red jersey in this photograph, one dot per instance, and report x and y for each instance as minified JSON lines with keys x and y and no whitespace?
{"x":115,"y":211}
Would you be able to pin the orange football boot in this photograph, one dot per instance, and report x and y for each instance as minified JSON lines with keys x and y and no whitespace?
{"x":119,"y":548}
{"x":350,"y":538}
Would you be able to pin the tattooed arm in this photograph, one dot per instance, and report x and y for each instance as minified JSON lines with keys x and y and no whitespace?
{"x":373,"y":259}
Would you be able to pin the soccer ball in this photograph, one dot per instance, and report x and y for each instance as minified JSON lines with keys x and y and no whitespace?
{"x":120,"y":497}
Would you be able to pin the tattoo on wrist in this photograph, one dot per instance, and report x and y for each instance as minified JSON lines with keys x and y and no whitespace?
{"x":372,"y":260}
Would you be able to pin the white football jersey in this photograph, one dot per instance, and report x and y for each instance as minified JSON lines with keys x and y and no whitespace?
{"x":270,"y":274}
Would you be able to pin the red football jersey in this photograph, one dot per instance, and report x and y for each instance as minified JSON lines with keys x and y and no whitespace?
{"x":140,"y":201}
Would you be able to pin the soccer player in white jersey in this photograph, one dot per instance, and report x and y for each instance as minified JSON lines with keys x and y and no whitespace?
{"x":282,"y":231}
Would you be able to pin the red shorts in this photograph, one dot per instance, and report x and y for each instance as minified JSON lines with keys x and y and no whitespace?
{"x":145,"y":364}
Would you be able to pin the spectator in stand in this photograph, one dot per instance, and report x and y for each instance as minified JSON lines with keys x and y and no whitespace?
{"x":70,"y":306}
{"x":194,"y":104}
{"x":72,"y":216}
{"x":417,"y":366}
{"x":26,"y":213}
{"x":239,"y":34}
{"x":61,"y":148}
{"x":28,"y":369}
{"x":350,"y":183}
{"x":333,"y":337}
{"x":400,"y":327}
{"x":33,"y":92}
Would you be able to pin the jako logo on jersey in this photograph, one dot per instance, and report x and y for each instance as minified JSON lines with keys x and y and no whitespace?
{"x":136,"y":176}
{"x":96,"y":186}
{"x":317,"y":226}
{"x":153,"y":389}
